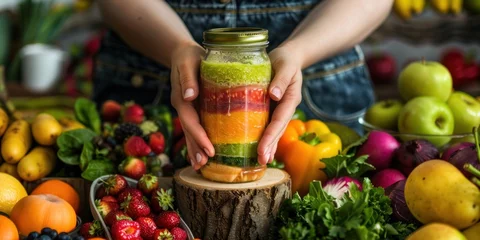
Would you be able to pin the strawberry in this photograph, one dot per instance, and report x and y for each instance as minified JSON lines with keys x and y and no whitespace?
{"x":177,"y":128}
{"x":129,"y":191}
{"x":133,"y":113}
{"x":91,"y":229}
{"x":100,"y":193}
{"x":147,"y":184}
{"x":135,"y":146}
{"x":126,"y":230}
{"x":147,"y":227}
{"x":168,"y":220}
{"x":162,"y":200}
{"x":135,"y":207}
{"x":109,"y":198}
{"x":178,"y":233}
{"x":111,"y":111}
{"x":115,"y":184}
{"x":133,"y":167}
{"x":157,"y":142}
{"x":162,"y":234}
{"x":116,"y":215}
{"x":105,"y":207}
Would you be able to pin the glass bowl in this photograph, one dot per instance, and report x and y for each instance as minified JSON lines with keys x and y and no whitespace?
{"x":440,"y":141}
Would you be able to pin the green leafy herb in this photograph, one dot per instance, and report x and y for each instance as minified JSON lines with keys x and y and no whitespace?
{"x":98,"y":168}
{"x":364,"y":215}
{"x":87,"y":114}
{"x":70,"y":144}
{"x":87,"y":155}
{"x":276,"y":164}
{"x":346,"y":165}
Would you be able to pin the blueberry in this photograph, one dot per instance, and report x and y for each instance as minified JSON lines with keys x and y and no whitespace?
{"x":78,"y":238}
{"x":151,"y":154}
{"x":44,"y":237}
{"x":53,"y":234}
{"x":63,"y":236}
{"x":33,"y":235}
{"x":111,"y":141}
{"x":46,"y":231}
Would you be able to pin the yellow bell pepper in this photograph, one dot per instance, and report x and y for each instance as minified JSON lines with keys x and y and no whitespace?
{"x":301,"y":148}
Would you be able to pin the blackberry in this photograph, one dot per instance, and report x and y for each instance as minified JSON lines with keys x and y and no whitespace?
{"x":126,"y":130}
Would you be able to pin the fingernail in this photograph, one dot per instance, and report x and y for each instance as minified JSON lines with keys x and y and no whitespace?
{"x":267,"y":157}
{"x":188,"y":93}
{"x":191,"y":162}
{"x":198,"y":157}
{"x":206,"y":151}
{"x":276,"y":92}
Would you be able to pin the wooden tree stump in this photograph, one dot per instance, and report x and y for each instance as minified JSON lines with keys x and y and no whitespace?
{"x":230,"y":210}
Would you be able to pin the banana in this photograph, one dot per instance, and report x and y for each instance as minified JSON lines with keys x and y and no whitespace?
{"x":406,"y":8}
{"x":447,"y":6}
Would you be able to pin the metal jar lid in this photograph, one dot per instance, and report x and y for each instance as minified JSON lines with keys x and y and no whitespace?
{"x":243,"y":36}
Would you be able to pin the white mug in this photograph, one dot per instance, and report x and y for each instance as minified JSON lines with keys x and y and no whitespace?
{"x":42,"y":66}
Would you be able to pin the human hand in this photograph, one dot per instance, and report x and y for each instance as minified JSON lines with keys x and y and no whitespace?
{"x":285,"y":88}
{"x":185,"y":64}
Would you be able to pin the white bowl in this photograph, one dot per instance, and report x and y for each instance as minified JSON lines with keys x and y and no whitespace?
{"x":97,"y":183}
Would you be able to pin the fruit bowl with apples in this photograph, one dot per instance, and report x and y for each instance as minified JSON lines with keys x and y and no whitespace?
{"x":429,"y":108}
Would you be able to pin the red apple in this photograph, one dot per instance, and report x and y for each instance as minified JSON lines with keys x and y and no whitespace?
{"x":382,"y":68}
{"x":463,"y":69}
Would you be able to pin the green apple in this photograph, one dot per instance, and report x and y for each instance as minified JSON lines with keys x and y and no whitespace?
{"x":473,"y":6}
{"x":426,"y":116}
{"x":466,"y":112}
{"x":425,"y":78}
{"x":384,"y":114}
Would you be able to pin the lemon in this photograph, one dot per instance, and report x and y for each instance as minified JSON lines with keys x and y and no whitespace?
{"x":11,"y":192}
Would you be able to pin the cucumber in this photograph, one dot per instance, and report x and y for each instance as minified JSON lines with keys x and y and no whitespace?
{"x":235,"y":161}
{"x":243,"y":150}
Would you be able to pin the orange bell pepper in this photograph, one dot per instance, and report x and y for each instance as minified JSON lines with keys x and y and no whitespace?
{"x":301,"y":148}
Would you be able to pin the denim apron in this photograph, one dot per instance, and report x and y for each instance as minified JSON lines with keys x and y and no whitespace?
{"x":334,"y":89}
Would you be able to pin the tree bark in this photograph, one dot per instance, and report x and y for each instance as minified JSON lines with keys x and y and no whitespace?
{"x":230,"y":211}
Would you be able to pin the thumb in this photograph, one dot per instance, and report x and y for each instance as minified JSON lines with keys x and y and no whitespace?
{"x":283,"y":74}
{"x":187,"y":74}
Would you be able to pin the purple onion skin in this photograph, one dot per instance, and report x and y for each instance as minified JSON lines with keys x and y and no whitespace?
{"x":412,"y":153}
{"x":399,"y":206}
{"x":380,"y":148}
{"x":447,"y":154}
{"x":464,"y":156}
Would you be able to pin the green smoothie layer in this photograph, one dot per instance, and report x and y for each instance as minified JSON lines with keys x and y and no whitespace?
{"x":235,"y":161}
{"x":228,"y":74}
{"x":247,"y":150}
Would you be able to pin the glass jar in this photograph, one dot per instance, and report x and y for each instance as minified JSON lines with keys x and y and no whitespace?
{"x":235,"y":75}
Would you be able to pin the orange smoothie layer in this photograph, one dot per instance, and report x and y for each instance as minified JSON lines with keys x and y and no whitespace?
{"x":235,"y":127}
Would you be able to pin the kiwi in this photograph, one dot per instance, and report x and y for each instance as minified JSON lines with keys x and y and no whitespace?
{"x":346,"y":134}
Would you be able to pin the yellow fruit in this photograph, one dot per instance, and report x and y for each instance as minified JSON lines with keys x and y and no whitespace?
{"x":37,"y":164}
{"x":16,"y":142}
{"x":70,"y":124}
{"x":436,"y":191}
{"x":405,"y":8}
{"x":436,"y":231}
{"x":3,"y":121}
{"x":456,"y":6}
{"x":10,"y":192}
{"x":10,"y":169}
{"x":46,"y":129}
{"x":441,"y":6}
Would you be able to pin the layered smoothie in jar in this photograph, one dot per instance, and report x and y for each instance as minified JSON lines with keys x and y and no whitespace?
{"x":235,"y":110}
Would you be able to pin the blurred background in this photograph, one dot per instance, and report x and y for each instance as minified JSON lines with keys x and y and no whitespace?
{"x":47,"y":47}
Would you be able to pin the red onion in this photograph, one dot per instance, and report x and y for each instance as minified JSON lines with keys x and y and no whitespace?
{"x":447,"y":154}
{"x":380,"y":147}
{"x":337,"y":187}
{"x":414,"y":152}
{"x":399,"y":206}
{"x":467,"y":160}
{"x":387,"y":177}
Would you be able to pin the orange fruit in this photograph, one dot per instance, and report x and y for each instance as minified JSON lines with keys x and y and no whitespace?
{"x":235,"y":127}
{"x":11,"y":192}
{"x":8,"y":230}
{"x":60,"y":189}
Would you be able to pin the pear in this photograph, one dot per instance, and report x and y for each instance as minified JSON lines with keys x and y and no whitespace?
{"x":436,"y":191}
{"x":473,"y":232}
{"x":437,"y":231}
